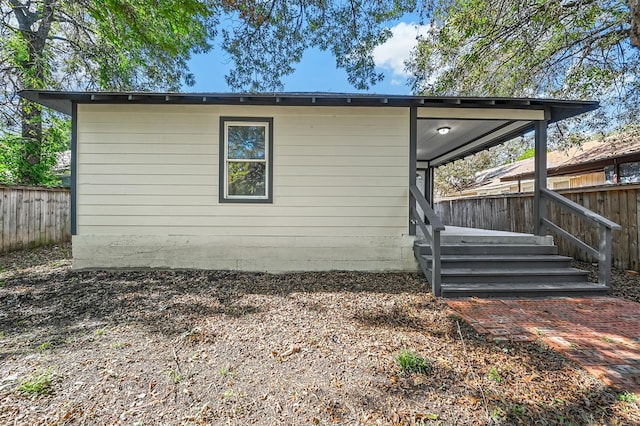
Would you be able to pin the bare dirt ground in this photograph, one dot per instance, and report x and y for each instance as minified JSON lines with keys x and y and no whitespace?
{"x":203,"y":347}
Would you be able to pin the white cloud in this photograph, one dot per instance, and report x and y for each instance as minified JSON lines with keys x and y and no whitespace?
{"x":392,"y":54}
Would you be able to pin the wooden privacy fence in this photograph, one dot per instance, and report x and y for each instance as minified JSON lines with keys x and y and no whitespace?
{"x":514,"y":212}
{"x":33,"y":216}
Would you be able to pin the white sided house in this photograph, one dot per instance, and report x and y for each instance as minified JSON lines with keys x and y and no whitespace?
{"x":273,"y":182}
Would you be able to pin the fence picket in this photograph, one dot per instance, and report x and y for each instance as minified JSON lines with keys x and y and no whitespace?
{"x":513,"y":212}
{"x":33,"y":216}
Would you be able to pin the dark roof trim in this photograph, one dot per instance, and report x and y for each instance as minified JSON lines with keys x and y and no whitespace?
{"x":62,"y":100}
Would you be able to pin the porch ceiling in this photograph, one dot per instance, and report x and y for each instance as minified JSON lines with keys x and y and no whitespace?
{"x":465,"y":137}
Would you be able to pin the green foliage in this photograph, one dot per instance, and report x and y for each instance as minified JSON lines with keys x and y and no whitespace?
{"x":628,"y":397}
{"x":266,"y":40}
{"x":175,"y":377}
{"x":530,"y":153}
{"x":575,"y":49}
{"x":39,"y":383}
{"x":45,"y":346}
{"x":247,"y":179}
{"x":495,"y":375}
{"x":412,"y":363}
{"x":145,"y":45}
{"x":461,"y":174}
{"x":29,"y":161}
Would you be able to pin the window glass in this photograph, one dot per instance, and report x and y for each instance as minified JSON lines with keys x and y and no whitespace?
{"x":245,"y":159}
{"x":247,"y":179}
{"x":246,"y":142}
{"x":630,"y":172}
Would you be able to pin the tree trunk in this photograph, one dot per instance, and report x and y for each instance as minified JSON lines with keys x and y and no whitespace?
{"x":34,"y":28}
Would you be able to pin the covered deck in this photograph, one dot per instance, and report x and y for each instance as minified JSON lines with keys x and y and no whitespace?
{"x":475,"y":262}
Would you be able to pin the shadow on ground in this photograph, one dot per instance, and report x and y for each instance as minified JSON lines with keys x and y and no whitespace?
{"x":499,"y":382}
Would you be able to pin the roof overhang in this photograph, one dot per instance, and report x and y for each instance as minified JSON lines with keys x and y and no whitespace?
{"x":476,"y":123}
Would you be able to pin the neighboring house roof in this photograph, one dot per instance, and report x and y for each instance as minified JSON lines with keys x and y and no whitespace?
{"x":475,"y":124}
{"x":591,"y":156}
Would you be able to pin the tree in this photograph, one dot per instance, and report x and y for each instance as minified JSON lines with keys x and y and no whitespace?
{"x":268,"y":38}
{"x":145,"y":45}
{"x":565,"y":49}
{"x":106,"y":44}
{"x":459,"y":175}
{"x":580,"y":49}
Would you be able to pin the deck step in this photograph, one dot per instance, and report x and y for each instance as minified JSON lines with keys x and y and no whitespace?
{"x":512,"y":275}
{"x":500,"y":238}
{"x":518,"y":261}
{"x":485,"y":269}
{"x":488,"y":249}
{"x":503,"y":290}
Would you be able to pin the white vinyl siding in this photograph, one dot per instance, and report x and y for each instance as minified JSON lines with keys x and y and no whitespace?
{"x":150,"y":172}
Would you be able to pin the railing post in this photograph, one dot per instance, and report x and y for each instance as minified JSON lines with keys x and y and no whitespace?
{"x":539,"y":203}
{"x":604,"y":258}
{"x":413,"y":153}
{"x":435,"y":263}
{"x":429,"y":183}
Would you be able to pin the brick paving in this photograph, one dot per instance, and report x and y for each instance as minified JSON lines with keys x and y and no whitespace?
{"x":600,"y":333}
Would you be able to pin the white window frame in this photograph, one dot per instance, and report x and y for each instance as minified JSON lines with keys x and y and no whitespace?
{"x":225,"y":123}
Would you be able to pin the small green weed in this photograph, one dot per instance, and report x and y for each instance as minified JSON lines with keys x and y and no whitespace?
{"x":37,"y":384}
{"x":2,"y":335}
{"x":608,"y":339}
{"x":99,"y":331}
{"x":412,"y":363}
{"x":517,"y":410}
{"x":175,"y":377}
{"x":120,"y":345}
{"x":495,"y":376}
{"x":497,"y":413}
{"x":228,"y":394}
{"x":45,"y":346}
{"x":628,"y":397}
{"x":224,"y":372}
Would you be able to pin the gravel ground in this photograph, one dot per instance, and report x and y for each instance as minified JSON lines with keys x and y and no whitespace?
{"x":625,"y":284}
{"x":212,"y":347}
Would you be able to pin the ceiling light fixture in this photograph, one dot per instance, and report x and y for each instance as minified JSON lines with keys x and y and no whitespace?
{"x":444,"y":130}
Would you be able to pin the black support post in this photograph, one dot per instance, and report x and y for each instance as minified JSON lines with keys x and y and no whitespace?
{"x":539,"y":203}
{"x":413,"y":152}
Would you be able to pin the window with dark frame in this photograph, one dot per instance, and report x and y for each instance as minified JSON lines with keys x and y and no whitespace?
{"x":246,"y":146}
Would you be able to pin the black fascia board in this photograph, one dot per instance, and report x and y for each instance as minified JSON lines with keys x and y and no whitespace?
{"x":62,"y":100}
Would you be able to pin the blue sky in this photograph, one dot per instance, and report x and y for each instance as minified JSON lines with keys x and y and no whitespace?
{"x":317,"y":71}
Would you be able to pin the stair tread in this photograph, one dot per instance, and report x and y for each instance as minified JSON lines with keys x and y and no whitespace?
{"x":510,"y":288}
{"x":425,"y":244}
{"x":512,"y":271}
{"x":501,"y":257}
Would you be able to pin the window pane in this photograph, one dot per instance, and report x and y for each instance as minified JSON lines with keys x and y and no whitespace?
{"x":247,"y":179}
{"x":246,"y":142}
{"x":630,"y":172}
